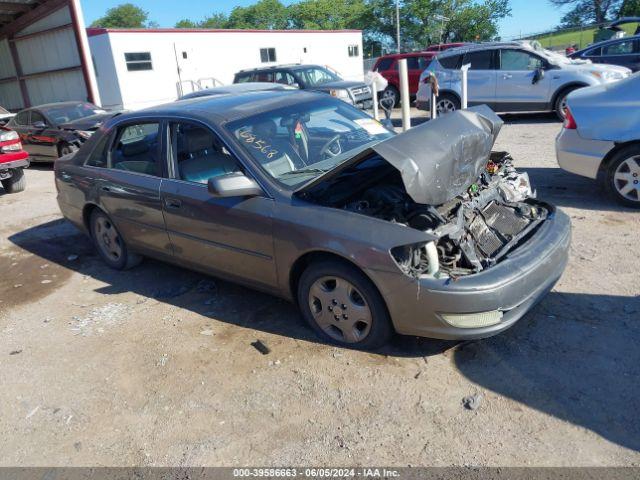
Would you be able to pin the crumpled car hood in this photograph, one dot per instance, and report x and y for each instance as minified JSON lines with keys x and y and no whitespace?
{"x":439,"y":159}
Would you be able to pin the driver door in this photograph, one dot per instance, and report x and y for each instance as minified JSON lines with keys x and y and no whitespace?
{"x":230,"y":237}
{"x":516,"y":88}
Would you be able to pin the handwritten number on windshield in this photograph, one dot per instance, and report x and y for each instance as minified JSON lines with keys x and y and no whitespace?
{"x":261,"y":145}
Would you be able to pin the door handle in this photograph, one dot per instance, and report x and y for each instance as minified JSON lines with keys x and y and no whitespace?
{"x":507,"y":75}
{"x":173,"y":203}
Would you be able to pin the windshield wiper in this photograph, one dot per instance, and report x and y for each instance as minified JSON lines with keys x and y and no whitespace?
{"x":304,"y":171}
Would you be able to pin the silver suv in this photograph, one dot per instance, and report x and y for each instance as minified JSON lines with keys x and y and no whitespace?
{"x":512,"y":77}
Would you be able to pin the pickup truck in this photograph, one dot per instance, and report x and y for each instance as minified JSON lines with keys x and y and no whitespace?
{"x":13,"y":161}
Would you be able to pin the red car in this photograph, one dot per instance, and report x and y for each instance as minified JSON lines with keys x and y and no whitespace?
{"x":387,"y":66}
{"x":13,"y":161}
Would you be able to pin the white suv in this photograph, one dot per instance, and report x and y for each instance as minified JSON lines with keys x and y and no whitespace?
{"x":512,"y":77}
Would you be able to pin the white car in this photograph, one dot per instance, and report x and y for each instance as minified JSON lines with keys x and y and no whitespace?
{"x":511,"y":77}
{"x":600,"y":138}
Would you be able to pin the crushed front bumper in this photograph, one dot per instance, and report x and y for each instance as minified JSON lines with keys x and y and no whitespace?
{"x":512,"y":288}
{"x":6,"y":167}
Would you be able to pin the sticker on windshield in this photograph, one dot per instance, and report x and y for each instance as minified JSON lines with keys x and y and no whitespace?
{"x":373,"y":127}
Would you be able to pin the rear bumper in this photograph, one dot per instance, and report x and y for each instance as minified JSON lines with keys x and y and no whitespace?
{"x":512,"y":288}
{"x":580,"y":155}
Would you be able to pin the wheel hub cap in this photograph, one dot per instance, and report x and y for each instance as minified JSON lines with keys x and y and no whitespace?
{"x":340,"y":309}
{"x":625,"y":179}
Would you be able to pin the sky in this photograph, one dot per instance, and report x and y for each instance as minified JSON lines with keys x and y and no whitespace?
{"x":528,"y":16}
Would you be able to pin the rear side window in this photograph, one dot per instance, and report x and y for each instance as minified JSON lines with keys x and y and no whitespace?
{"x":99,"y":155}
{"x":479,"y":60}
{"x":136,"y":149}
{"x":384,"y":64}
{"x":36,"y":117}
{"x":413,"y":63}
{"x":263,"y":77}
{"x":451,"y":63}
{"x":22,"y":118}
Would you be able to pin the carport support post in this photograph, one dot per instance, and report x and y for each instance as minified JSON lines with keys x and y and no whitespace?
{"x":465,"y":75}
{"x":404,"y":94}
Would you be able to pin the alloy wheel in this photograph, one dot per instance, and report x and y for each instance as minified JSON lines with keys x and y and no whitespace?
{"x":445,"y":105}
{"x":626,"y":179}
{"x":108,"y":238}
{"x":340,"y":309}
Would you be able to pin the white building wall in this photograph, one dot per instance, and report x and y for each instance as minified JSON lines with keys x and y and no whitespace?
{"x":217,"y":54}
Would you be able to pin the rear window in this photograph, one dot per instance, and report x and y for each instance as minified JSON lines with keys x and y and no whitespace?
{"x":452,"y":62}
{"x":384,"y":64}
{"x":479,"y":60}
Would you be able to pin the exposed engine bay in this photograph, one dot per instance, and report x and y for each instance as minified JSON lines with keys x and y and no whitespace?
{"x":474,"y":230}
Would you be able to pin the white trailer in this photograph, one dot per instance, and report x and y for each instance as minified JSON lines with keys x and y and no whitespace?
{"x":137,"y":68}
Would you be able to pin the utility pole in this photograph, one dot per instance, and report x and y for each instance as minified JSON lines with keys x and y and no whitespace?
{"x":398,"y":24}
{"x":442,"y":19}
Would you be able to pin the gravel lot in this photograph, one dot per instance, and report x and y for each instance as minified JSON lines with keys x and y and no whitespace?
{"x":155,"y":366}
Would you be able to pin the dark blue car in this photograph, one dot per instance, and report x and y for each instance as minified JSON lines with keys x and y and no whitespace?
{"x":619,"y":51}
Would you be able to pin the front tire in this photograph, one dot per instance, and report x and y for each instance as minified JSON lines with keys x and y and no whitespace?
{"x":622,"y":180}
{"x":16,"y":183}
{"x":343,"y":306}
{"x":561,"y":103}
{"x":110,"y":244}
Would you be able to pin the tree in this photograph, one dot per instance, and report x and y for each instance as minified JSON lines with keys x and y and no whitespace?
{"x":186,"y":23}
{"x":263,"y":15}
{"x":126,"y":15}
{"x":630,"y":8}
{"x":216,"y":20}
{"x":587,"y":11}
{"x":328,"y":14}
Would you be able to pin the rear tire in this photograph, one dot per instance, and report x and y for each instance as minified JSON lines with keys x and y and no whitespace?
{"x":622,"y":179}
{"x":16,"y":183}
{"x":447,"y":103}
{"x":66,"y":149}
{"x":391,"y":92}
{"x":343,"y":306}
{"x":110,"y":244}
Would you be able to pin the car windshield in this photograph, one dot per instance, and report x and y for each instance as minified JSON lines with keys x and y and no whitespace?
{"x":300,"y":142}
{"x":314,"y":76}
{"x":75,"y":111}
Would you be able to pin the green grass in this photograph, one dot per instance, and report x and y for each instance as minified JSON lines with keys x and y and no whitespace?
{"x":582,"y":38}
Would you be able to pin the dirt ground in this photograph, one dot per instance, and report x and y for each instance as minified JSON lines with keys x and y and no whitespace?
{"x":155,"y":366}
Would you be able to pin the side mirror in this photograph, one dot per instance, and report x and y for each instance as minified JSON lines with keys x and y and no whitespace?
{"x":39,"y":125}
{"x":537,"y":76}
{"x":233,"y":185}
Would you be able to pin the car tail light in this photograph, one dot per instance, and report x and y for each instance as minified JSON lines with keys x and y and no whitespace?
{"x":569,"y":121}
{"x":14,"y":147}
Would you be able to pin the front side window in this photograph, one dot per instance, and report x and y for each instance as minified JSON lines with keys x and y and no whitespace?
{"x":136,"y":148}
{"x":424,"y":62}
{"x":479,"y":60}
{"x":519,"y":60}
{"x":413,"y":63}
{"x":267,"y":55}
{"x":297,"y":143}
{"x":199,"y":154}
{"x":285,"y":78}
{"x":314,"y":76}
{"x":137,"y":61}
{"x":620,"y":48}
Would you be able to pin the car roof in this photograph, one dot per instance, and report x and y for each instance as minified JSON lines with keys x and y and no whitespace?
{"x":476,"y":47}
{"x":235,"y":88}
{"x":229,"y":107}
{"x":69,"y":103}
{"x":421,"y":53}
{"x":287,"y":66}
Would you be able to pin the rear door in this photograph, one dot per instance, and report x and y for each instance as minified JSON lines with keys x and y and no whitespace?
{"x":224,"y":236}
{"x":42,"y":136}
{"x":128,"y":188}
{"x":516,"y":90}
{"x":481,"y":77}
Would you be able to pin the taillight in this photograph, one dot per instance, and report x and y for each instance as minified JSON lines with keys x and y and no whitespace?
{"x":569,"y":121}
